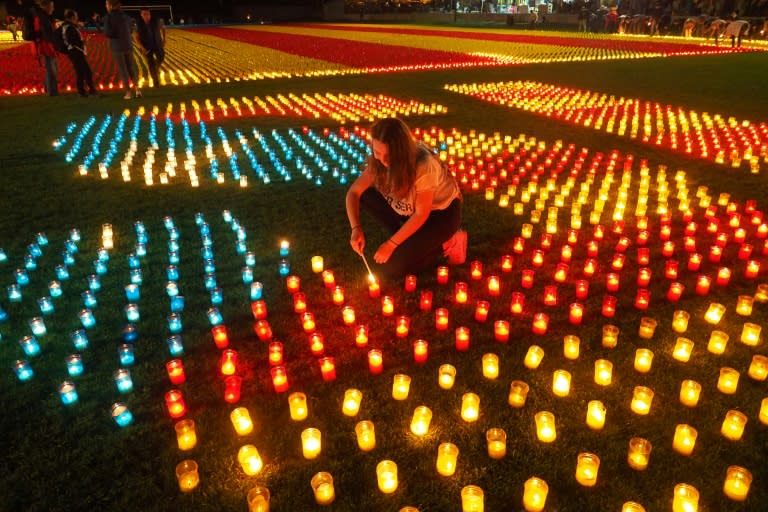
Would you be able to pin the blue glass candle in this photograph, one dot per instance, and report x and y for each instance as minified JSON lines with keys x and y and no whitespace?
{"x":173,"y":245}
{"x":62,"y":273}
{"x":250,"y":258}
{"x":123,"y":380}
{"x":177,"y":304}
{"x":42,"y":239}
{"x":173,"y":258}
{"x":217,"y":296}
{"x":168,"y":222}
{"x":23,"y":370}
{"x":247,"y":275}
{"x":30,"y":346}
{"x":68,"y":258}
{"x":3,"y":317}
{"x":74,"y":235}
{"x":34,"y":250}
{"x":209,"y":266}
{"x":89,"y":299}
{"x":121,"y":414}
{"x":227,"y":216}
{"x":241,"y":248}
{"x":102,"y":255}
{"x":284,"y":267}
{"x":140,"y":248}
{"x":132,"y":313}
{"x":87,"y":318}
{"x":174,"y":323}
{"x":205,"y":229}
{"x":285,"y":248}
{"x":94,"y":283}
{"x":206,"y":240}
{"x":173,"y":233}
{"x":175,"y":346}
{"x":3,"y":256}
{"x":99,"y":267}
{"x":29,"y":262}
{"x":210,"y":281}
{"x":214,"y":316}
{"x":172,"y":272}
{"x":199,"y":218}
{"x":171,"y":289}
{"x":241,"y":235}
{"x":68,"y":393}
{"x":126,"y":354}
{"x":132,"y":293}
{"x":22,"y":278}
{"x":37,"y":326}
{"x":54,"y":288}
{"x":71,"y":246}
{"x":256,"y":290}
{"x":14,"y":293}
{"x":139,"y":227}
{"x":130,"y":334}
{"x":74,"y":365}
{"x":136,"y":276}
{"x":46,"y":305}
{"x":133,"y":261}
{"x":206,"y":253}
{"x":79,"y":339}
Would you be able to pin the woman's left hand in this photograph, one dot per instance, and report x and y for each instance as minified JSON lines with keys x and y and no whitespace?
{"x":384,"y":252}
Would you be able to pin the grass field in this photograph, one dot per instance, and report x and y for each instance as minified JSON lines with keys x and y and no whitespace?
{"x":57,"y":457}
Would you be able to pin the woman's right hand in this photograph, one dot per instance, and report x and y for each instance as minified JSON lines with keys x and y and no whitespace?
{"x":357,"y":240}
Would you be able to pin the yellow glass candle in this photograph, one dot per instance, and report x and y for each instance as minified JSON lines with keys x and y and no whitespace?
{"x":632,"y":506}
{"x":647,"y":328}
{"x":686,"y":499}
{"x":447,"y":455}
{"x":641,"y":400}
{"x":758,"y":368}
{"x":186,"y":437}
{"x":728,"y":381}
{"x":422,"y":416}
{"x":595,"y":415}
{"x":714,"y":313}
{"x":744,"y":305}
{"x":682,"y":350}
{"x":366,"y":435}
{"x":571,"y":347}
{"x":533,"y":357}
{"x":761,"y":294}
{"x":490,"y":366}
{"x":610,"y":336}
{"x":643,"y":360}
{"x":639,"y":453}
{"x":685,"y":439}
{"x":587,"y":466}
{"x":545,"y":426}
{"x":446,"y":376}
{"x":764,"y":411}
{"x":258,"y":499}
{"x":561,"y":383}
{"x":241,"y":420}
{"x":408,"y":508}
{"x":733,"y":425}
{"x":297,"y":405}
{"x":737,"y":482}
{"x":689,"y":393}
{"x":518,"y":392}
{"x":717,"y":342}
{"x":470,"y":407}
{"x":401,"y":385}
{"x":322,"y":487}
{"x":311,"y":443}
{"x":317,"y":264}
{"x":352,"y":399}
{"x":535,"y":493}
{"x":497,"y":442}
{"x":750,"y":334}
{"x":603,"y":372}
{"x":680,"y":321}
{"x":472,"y":499}
{"x":386,"y":475}
{"x":249,"y":458}
{"x":187,"y":475}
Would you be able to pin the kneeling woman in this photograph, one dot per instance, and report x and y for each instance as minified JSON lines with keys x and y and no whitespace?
{"x":407,"y":190}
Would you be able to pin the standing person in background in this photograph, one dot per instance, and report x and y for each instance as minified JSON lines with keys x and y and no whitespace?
{"x":736,"y":30}
{"x":150,"y":38}
{"x":70,"y":33}
{"x":117,"y":28}
{"x":44,"y":48}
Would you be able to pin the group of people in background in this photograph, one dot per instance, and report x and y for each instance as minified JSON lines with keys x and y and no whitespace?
{"x":52,"y":36}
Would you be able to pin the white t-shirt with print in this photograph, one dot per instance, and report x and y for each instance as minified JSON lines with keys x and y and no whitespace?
{"x":431,"y":175}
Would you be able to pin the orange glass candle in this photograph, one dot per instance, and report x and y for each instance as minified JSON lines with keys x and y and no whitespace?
{"x":470,"y":407}
{"x":297,"y":406}
{"x":228,"y":362}
{"x":587,"y":466}
{"x":241,"y":420}
{"x":758,"y":368}
{"x":750,"y":334}
{"x":643,"y":360}
{"x":728,"y":381}
{"x":561,"y":383}
{"x":174,"y":402}
{"x":308,"y":322}
{"x":401,"y":385}
{"x":686,"y":499}
{"x":571,"y":347}
{"x":718,"y":340}
{"x":733,"y":425}
{"x":348,"y":315}
{"x":642,"y":397}
{"x":446,"y":376}
{"x":361,"y":335}
{"x":518,"y":393}
{"x":682,"y":350}
{"x":737,"y":483}
{"x":639,"y":453}
{"x":329,"y":281}
{"x":684,"y":439}
{"x":595,"y":415}
{"x":402,"y":326}
{"x":546,"y":431}
{"x":186,"y":436}
{"x":603,"y":372}
{"x":647,"y":328}
{"x":337,"y":296}
{"x":610,"y":336}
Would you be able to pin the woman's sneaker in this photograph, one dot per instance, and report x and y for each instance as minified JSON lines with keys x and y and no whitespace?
{"x":455,"y":248}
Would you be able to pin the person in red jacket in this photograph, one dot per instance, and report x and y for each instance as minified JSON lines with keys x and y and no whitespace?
{"x":44,"y":48}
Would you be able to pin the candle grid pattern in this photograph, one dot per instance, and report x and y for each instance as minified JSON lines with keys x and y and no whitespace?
{"x":713,"y":137}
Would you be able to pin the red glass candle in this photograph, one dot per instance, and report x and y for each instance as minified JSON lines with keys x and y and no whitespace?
{"x":308,"y":322}
{"x":642,"y":238}
{"x":566,"y":253}
{"x":375,"y":362}
{"x":493,"y":284}
{"x":348,"y":315}
{"x":275,"y":353}
{"x":328,"y":368}
{"x":546,"y":241}
{"x":715,"y":253}
{"x":622,"y":245}
{"x":402,"y":326}
{"x":425,"y":300}
{"x":561,"y":273}
{"x":550,"y":295}
{"x":670,"y":269}
{"x":573,"y":236}
{"x":220,"y":336}
{"x":481,"y":310}
{"x":518,"y":245}
{"x":599,"y":232}
{"x":641,"y":222}
{"x":703,"y":284}
{"x":593,"y":249}
{"x":721,"y":240}
{"x":279,"y":379}
{"x":739,"y":235}
{"x":387,"y":305}
{"x":723,"y":276}
{"x":462,"y":339}
{"x":752,"y":269}
{"x":609,"y":306}
{"x":689,"y":244}
{"x":590,"y":267}
{"x":316,"y":344}
{"x":644,"y":277}
{"x":668,"y":249}
{"x":293,"y":283}
{"x":361,"y":335}
{"x":476,"y":270}
{"x":263,"y":330}
{"x":575,"y":313}
{"x":540,"y":323}
{"x":442,"y":275}
{"x":642,"y":299}
{"x":537,"y":258}
{"x":410,"y":283}
{"x":374,"y":290}
{"x":745,"y":251}
{"x":506,"y":263}
{"x":675,"y":291}
{"x":174,"y":402}
{"x":735,"y":220}
{"x":228,"y":364}
{"x":232,"y":385}
{"x":501,"y":330}
{"x":460,"y":293}
{"x":665,"y":232}
{"x":527,"y":279}
{"x":694,"y":262}
{"x":259,"y":309}
{"x":420,"y":351}
{"x":582,"y":289}
{"x":713,"y":225}
{"x":329,"y":281}
{"x":618,"y":227}
{"x":175,"y":369}
{"x":441,"y":319}
{"x":690,"y":229}
{"x":299,"y":303}
{"x":618,"y":262}
{"x":612,"y":282}
{"x":762,"y":231}
{"x":517,"y":303}
{"x":338,"y":295}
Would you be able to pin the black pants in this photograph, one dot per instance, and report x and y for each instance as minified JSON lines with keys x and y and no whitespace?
{"x":154,"y":60}
{"x":423,"y":247}
{"x":82,"y":72}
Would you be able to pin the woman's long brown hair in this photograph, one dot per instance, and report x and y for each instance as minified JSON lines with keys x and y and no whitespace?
{"x":399,"y":177}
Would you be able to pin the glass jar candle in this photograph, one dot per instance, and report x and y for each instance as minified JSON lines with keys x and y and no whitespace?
{"x":447,"y":455}
{"x":186,"y":436}
{"x":733,"y":425}
{"x":718,"y":340}
{"x":680,"y":321}
{"x":401,"y":385}
{"x":535,"y":492}
{"x":533,"y":357}
{"x":689,"y":393}
{"x":737,"y":483}
{"x":647,"y":328}
{"x":642,"y":397}
{"x":496,"y":439}
{"x":386,"y":476}
{"x":490,"y":366}
{"x":728,"y":381}
{"x":639,"y":453}
{"x":587,"y":466}
{"x":366,"y":435}
{"x":250,"y":459}
{"x":750,"y":334}
{"x":758,"y":368}
{"x":470,"y":407}
{"x":603,"y":372}
{"x":472,"y":499}
{"x":571,"y":347}
{"x":258,"y":499}
{"x":187,"y":475}
{"x":610,"y":336}
{"x":595,"y":415}
{"x":351,"y":404}
{"x":714,"y":313}
{"x":322,"y":487}
{"x":686,"y":499}
{"x":311,"y":443}
{"x":684,"y":439}
{"x":561,"y":383}
{"x":241,"y":420}
{"x":446,"y":376}
{"x":546,"y":431}
{"x":643,"y":360}
{"x":297,"y":406}
{"x":682,"y":350}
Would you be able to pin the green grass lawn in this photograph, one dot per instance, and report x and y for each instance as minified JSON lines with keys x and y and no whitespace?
{"x":75,"y":458}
